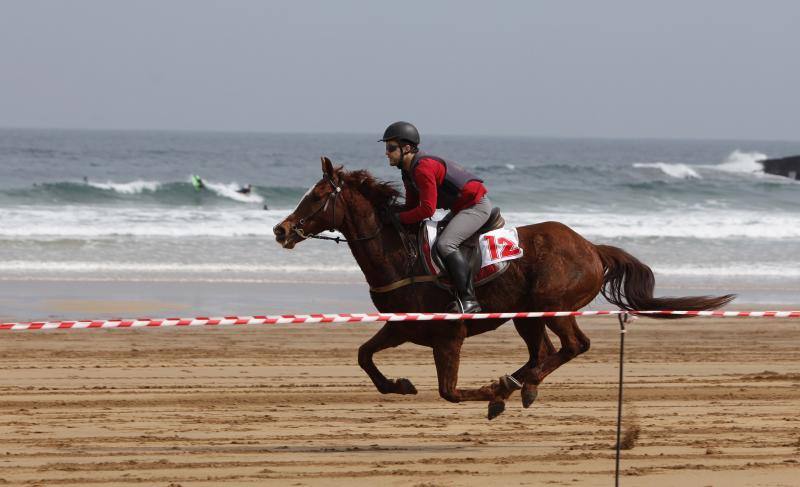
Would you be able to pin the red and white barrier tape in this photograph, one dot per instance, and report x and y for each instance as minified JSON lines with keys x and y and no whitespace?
{"x":364,"y":317}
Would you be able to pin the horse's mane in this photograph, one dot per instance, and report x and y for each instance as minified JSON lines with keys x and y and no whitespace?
{"x":379,"y":193}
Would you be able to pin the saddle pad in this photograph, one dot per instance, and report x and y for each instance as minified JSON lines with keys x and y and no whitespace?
{"x":499,"y":245}
{"x":496,"y":246}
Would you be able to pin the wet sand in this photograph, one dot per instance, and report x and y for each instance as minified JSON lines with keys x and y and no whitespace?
{"x":708,"y":402}
{"x":50,"y":299}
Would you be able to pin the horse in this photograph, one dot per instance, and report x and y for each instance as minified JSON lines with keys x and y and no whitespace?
{"x":559,"y":270}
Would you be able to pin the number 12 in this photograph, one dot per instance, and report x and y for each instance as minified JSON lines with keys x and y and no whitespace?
{"x":502,"y":247}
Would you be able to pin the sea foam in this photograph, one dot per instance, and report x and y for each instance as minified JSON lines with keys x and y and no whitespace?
{"x":741,"y":162}
{"x":680,"y":171}
{"x":230,"y":191}
{"x":133,"y":187}
{"x":88,"y":222}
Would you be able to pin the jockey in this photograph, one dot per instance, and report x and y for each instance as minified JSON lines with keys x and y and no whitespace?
{"x":432,"y":182}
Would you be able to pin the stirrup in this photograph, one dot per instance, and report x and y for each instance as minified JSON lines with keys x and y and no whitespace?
{"x":457,"y":306}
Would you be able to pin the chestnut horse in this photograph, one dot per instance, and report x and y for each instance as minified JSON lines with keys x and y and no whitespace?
{"x":559,"y":271}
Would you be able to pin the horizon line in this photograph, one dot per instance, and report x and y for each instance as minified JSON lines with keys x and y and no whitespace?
{"x":438,"y":134}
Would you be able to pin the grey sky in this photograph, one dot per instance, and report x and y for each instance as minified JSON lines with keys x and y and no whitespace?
{"x":699,"y":69}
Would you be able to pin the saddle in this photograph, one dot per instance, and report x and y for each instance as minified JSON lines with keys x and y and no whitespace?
{"x":469,"y":248}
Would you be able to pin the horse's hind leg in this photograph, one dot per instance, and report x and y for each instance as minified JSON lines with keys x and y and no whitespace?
{"x":387,"y":337}
{"x":447,"y":357}
{"x":573,"y":343}
{"x":533,"y":331}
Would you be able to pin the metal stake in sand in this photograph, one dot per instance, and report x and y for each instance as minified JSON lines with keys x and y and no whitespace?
{"x":623,"y":318}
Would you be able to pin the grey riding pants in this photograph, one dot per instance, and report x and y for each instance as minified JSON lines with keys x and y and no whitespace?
{"x":463,"y":225}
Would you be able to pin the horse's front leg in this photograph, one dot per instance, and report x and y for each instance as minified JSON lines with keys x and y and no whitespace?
{"x":387,"y":337}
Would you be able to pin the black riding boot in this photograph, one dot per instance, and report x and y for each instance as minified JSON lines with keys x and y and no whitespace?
{"x":461,"y":275}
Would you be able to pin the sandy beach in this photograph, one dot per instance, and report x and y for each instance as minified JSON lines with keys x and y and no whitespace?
{"x":708,"y":402}
{"x":201,"y":159}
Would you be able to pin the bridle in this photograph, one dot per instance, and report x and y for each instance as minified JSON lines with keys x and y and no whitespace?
{"x":332,"y":196}
{"x":409,"y":246}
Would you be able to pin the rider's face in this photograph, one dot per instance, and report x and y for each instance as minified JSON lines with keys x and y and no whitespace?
{"x":393,"y":153}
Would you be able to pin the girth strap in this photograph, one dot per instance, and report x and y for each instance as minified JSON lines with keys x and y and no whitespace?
{"x":401,"y":283}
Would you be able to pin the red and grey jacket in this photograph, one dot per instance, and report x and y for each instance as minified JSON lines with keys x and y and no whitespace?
{"x":433,"y":182}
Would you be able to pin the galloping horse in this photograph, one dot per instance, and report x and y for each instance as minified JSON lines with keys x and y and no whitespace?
{"x":560,"y":270}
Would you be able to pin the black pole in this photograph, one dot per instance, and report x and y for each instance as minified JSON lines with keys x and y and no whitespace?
{"x":623,"y":317}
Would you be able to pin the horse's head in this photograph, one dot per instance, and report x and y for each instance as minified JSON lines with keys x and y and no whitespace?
{"x":320,"y":209}
{"x":353,"y":202}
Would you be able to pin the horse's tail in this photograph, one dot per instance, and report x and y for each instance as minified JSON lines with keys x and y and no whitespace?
{"x":628,"y":283}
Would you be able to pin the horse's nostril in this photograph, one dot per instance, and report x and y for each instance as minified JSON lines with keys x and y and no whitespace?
{"x":278,"y":231}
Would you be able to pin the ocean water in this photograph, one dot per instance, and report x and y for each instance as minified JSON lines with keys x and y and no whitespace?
{"x":702,"y":214}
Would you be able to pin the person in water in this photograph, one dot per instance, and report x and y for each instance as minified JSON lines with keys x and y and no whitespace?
{"x":430,"y":183}
{"x":245,"y":189}
{"x":197,"y":182}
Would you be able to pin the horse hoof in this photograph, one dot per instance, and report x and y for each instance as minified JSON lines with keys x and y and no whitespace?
{"x":496,"y":409}
{"x":404,"y":386}
{"x":529,"y":394}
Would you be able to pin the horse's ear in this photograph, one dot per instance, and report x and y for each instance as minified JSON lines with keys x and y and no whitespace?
{"x":327,"y":166}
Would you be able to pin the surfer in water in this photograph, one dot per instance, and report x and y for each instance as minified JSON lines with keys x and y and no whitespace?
{"x":197,"y":182}
{"x":244,"y":189}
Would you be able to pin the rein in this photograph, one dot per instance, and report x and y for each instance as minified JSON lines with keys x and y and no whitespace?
{"x":409,"y":246}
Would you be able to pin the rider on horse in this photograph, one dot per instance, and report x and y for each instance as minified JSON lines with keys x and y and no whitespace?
{"x":432,"y":182}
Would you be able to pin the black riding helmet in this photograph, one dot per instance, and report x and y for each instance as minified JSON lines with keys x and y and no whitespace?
{"x":401,"y":131}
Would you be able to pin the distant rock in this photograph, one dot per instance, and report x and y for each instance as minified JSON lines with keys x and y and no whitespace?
{"x":788,"y":167}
